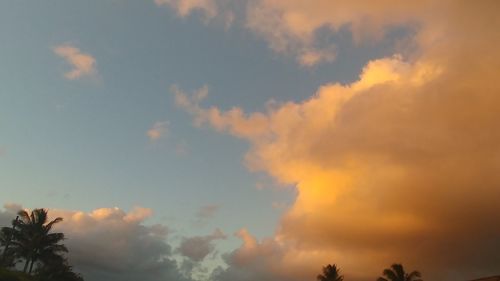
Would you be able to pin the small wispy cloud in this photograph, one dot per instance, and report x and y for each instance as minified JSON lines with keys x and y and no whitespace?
{"x":158,"y":131}
{"x":312,"y":57}
{"x":185,"y":7}
{"x":83,"y":64}
{"x":221,"y":11}
{"x":207,"y":211}
{"x":182,"y":148}
{"x":12,"y":207}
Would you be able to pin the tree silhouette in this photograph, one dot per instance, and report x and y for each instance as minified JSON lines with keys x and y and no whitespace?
{"x":32,"y":239}
{"x":397,"y":273}
{"x":330,"y":273}
{"x":57,"y":269}
{"x":8,"y":258}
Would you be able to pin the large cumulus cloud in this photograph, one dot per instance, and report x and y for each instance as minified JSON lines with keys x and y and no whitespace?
{"x":401,"y":165}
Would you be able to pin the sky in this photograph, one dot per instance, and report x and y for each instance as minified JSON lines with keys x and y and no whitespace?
{"x":256,"y":139}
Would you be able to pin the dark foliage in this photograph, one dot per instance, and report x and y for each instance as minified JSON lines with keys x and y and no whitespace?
{"x":397,"y":273}
{"x":330,"y":273}
{"x":31,"y":241}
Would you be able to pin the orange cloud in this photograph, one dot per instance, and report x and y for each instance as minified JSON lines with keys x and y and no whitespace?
{"x":83,"y":64}
{"x":291,"y":26}
{"x":159,"y":130}
{"x":400,"y":165}
{"x":311,"y":57}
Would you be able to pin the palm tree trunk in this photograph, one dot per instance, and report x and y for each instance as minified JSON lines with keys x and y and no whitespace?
{"x":26,"y":265}
{"x":31,"y":265}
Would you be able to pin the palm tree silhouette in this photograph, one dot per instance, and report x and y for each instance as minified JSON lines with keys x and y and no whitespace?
{"x":57,"y":269}
{"x":33,"y":240}
{"x":397,"y":273}
{"x":330,"y":273}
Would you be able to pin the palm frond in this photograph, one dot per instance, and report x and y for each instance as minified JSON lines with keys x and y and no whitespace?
{"x":32,"y":240}
{"x":390,"y":274}
{"x":50,"y":224}
{"x":25,"y":216}
{"x":399,"y":270}
{"x":413,"y":276}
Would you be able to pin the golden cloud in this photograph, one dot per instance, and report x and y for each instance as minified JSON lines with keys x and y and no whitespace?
{"x":83,"y":64}
{"x":401,"y":165}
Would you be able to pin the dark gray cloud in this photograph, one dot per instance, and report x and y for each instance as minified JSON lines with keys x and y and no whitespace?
{"x":109,"y":244}
{"x":8,"y":214}
{"x":196,"y":248}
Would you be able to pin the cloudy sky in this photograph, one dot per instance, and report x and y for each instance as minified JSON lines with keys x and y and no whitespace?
{"x":243,"y":140}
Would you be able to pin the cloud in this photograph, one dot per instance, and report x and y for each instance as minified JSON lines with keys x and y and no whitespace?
{"x":83,"y":64}
{"x":185,"y":7}
{"x":9,"y":213}
{"x":111,"y":244}
{"x":266,"y":260}
{"x":12,"y":208}
{"x":268,"y":22}
{"x":158,"y":131}
{"x":305,"y":30}
{"x":398,"y":166}
{"x":298,"y":27}
{"x":242,"y":125}
{"x":311,"y":57}
{"x":198,"y":247}
{"x":294,"y":27}
{"x":207,"y":212}
{"x":220,"y":11}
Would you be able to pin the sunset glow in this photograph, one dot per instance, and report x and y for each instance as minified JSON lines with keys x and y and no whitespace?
{"x":220,"y":140}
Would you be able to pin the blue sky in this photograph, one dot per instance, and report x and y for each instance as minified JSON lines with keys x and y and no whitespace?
{"x":67,"y":140}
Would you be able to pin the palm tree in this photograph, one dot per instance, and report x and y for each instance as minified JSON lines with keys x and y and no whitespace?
{"x":397,"y":273}
{"x":57,"y":269}
{"x":33,"y":240}
{"x":330,"y":273}
{"x":6,"y":235}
